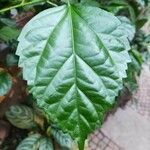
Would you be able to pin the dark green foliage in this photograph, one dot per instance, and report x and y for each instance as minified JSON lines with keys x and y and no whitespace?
{"x":36,"y":142}
{"x":75,"y":58}
{"x":8,"y":33}
{"x":11,"y":60}
{"x":21,"y":117}
{"x":63,"y":139}
{"x":5,"y":82}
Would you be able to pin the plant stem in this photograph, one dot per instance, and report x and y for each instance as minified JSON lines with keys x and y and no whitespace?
{"x":23,"y":3}
{"x":68,"y":3}
{"x":51,"y":3}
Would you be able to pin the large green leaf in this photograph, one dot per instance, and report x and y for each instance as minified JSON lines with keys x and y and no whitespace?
{"x":74,"y":58}
{"x":127,"y":27}
{"x":5,"y":83}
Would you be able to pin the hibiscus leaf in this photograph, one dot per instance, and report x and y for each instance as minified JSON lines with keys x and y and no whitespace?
{"x":74,"y":58}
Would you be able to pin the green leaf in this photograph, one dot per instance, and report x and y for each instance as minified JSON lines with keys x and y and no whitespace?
{"x":30,"y":143}
{"x":127,"y":27}
{"x":8,"y":22}
{"x":147,"y":39}
{"x":11,"y":60}
{"x":35,"y":142}
{"x":70,"y":1}
{"x":74,"y":63}
{"x":38,"y":110}
{"x":141,"y":22}
{"x":142,"y":2}
{"x":91,"y":2}
{"x":130,"y":81}
{"x":46,"y":144}
{"x":63,"y":139}
{"x":5,"y":83}
{"x":117,"y":5}
{"x":21,"y":117}
{"x":8,"y":33}
{"x":134,"y":70}
{"x":114,"y":6}
{"x":137,"y":60}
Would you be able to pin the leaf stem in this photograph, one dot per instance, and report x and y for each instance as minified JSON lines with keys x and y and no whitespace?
{"x":23,"y":1}
{"x":68,"y":3}
{"x":51,"y":3}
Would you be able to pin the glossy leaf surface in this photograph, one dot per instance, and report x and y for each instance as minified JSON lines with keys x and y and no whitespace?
{"x":74,"y":58}
{"x":127,"y":27}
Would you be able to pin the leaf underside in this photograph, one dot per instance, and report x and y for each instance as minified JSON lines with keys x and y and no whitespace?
{"x":74,"y":58}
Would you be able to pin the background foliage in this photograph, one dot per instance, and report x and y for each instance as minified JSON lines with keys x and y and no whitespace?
{"x":132,"y":13}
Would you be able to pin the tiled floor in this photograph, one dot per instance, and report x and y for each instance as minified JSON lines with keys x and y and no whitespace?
{"x":141,"y":100}
{"x":99,"y":141}
{"x":121,"y":129}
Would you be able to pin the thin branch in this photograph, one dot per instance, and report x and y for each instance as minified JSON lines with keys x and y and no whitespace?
{"x":51,"y":3}
{"x":23,"y":3}
{"x":68,"y":3}
{"x":9,"y":8}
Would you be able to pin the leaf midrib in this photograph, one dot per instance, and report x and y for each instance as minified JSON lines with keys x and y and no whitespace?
{"x":75,"y":72}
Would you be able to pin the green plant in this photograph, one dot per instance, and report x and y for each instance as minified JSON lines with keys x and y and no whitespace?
{"x":75,"y":58}
{"x":40,"y":133}
{"x":35,"y":141}
{"x":76,"y":78}
{"x":6,"y":82}
{"x":21,"y":117}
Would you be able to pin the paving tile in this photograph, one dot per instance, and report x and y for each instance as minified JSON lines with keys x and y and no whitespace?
{"x":108,"y":148}
{"x":128,"y":129}
{"x":106,"y":140}
{"x":99,"y":141}
{"x":141,"y":100}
